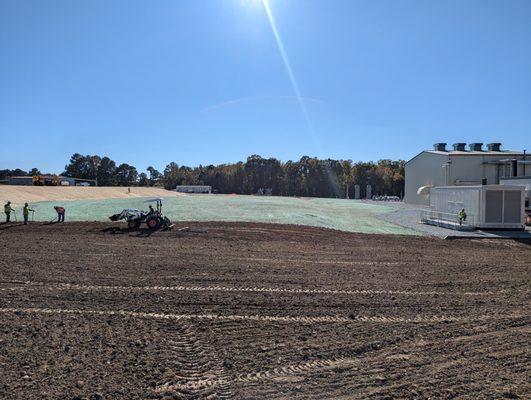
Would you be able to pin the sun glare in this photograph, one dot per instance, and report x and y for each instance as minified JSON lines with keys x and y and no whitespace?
{"x":251,"y":3}
{"x":289,"y":70}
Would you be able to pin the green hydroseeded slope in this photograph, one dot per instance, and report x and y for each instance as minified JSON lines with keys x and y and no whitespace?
{"x":345,"y":215}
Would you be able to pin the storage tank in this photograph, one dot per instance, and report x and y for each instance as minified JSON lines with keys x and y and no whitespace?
{"x":486,"y":206}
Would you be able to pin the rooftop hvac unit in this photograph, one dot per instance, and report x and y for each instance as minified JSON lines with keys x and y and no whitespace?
{"x":476,"y":146}
{"x":494,"y":146}
{"x":439,"y":147}
{"x":486,"y":206}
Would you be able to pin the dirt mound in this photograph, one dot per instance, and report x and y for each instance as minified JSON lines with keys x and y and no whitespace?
{"x":20,"y":194}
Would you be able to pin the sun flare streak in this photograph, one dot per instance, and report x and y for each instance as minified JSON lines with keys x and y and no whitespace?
{"x":331,"y":177}
{"x":289,"y":70}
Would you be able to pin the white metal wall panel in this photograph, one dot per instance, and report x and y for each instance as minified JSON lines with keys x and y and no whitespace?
{"x":452,"y":199}
{"x":494,"y":206}
{"x":512,"y":206}
{"x":426,"y":169}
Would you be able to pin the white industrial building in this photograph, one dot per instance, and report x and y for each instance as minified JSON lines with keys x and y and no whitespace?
{"x":460,"y":167}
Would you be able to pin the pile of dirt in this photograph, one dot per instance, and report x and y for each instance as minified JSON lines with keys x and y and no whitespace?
{"x":20,"y":194}
{"x":240,"y":310}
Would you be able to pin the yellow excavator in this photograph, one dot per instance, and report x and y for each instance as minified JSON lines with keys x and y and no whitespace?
{"x":46,"y":180}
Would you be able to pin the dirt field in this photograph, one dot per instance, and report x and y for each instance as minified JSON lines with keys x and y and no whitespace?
{"x":20,"y":194}
{"x":258,"y":311}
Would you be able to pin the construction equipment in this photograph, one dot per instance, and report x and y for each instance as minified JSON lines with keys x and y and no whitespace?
{"x":46,"y":180}
{"x":153,"y":219}
{"x":133,"y":217}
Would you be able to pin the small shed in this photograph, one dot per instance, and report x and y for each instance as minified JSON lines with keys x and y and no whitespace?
{"x":486,"y":206}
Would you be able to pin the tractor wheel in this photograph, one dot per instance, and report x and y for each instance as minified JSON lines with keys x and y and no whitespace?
{"x":133,"y":224}
{"x":153,"y":222}
{"x":166,"y":223}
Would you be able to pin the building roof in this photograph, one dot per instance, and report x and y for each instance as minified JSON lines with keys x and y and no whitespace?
{"x":51,"y":176}
{"x":477,"y":153}
{"x":470,"y":153}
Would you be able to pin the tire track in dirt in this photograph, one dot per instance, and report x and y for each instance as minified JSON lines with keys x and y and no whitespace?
{"x":193,"y":369}
{"x":298,"y":369}
{"x":181,"y":288}
{"x":301,"y":368}
{"x":314,"y":261}
{"x":376,"y":358}
{"x":266,"y":318}
{"x":453,"y":359}
{"x":260,"y":376}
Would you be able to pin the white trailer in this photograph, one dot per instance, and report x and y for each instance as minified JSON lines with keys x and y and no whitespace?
{"x":486,"y":206}
{"x":193,"y":189}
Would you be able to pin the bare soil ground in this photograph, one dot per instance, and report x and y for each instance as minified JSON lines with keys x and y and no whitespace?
{"x":18,"y":195}
{"x":255,"y":311}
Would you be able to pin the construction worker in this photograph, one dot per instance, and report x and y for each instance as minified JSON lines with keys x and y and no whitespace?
{"x":7,"y":211}
{"x":60,"y":213}
{"x":25,"y":213}
{"x":462,"y":216}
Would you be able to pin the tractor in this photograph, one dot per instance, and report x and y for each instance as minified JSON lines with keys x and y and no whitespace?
{"x":153,"y":218}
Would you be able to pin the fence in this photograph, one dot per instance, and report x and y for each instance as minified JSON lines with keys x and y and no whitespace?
{"x":442,"y":219}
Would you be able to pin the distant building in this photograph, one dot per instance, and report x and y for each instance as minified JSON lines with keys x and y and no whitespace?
{"x":193,"y":189}
{"x":20,"y":180}
{"x":49,"y":180}
{"x":460,"y":167}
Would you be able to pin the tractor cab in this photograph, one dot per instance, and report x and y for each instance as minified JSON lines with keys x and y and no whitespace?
{"x":158,"y":204}
{"x":155,"y":219}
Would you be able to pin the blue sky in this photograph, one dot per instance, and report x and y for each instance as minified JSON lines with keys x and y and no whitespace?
{"x":203,"y":81}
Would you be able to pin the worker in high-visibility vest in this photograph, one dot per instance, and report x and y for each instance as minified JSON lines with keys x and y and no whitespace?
{"x":7,"y":211}
{"x":25,"y":213}
{"x":462,"y":216}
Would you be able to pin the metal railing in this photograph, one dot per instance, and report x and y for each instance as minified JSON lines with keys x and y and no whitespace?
{"x":445,"y":218}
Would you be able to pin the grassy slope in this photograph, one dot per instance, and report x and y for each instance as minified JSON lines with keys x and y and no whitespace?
{"x":346,"y":215}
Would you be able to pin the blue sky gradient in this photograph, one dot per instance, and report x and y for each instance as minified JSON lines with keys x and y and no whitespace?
{"x":203,"y":81}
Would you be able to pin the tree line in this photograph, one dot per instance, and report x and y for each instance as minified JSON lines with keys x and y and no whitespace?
{"x":309,"y":176}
